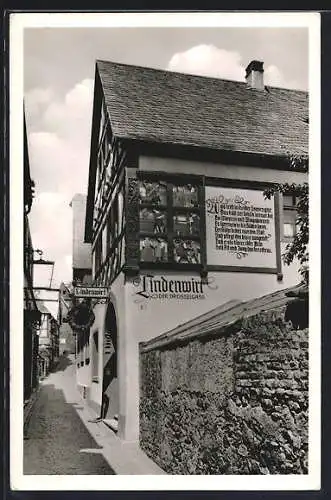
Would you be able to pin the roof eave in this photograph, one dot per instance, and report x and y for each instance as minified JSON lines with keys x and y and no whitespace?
{"x":204,"y":153}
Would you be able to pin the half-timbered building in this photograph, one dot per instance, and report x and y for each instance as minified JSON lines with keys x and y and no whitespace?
{"x":176,"y":213}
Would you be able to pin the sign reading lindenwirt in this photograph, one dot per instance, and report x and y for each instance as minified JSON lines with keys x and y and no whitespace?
{"x":91,"y":292}
{"x":240,"y":227}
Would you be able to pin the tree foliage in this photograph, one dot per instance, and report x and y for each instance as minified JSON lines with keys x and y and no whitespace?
{"x":298,"y":247}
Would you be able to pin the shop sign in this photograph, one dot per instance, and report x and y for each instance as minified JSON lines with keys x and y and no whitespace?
{"x":91,"y":292}
{"x":165,"y":288}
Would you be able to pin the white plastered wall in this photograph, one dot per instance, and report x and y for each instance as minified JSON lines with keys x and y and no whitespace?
{"x":174,"y":165}
{"x":142,"y":320}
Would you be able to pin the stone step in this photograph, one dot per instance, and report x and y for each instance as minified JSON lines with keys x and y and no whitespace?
{"x":112,"y":423}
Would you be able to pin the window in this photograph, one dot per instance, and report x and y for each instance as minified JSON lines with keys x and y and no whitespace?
{"x":114,"y":217}
{"x":98,"y":253}
{"x":105,"y":246}
{"x":169,"y":222}
{"x":186,"y":251}
{"x":153,"y":220}
{"x":95,"y":356}
{"x":104,"y":158}
{"x":108,"y":245}
{"x":87,"y":347}
{"x":43,"y":331}
{"x":153,"y":193}
{"x":104,"y":163}
{"x":109,"y":232}
{"x":289,"y":216}
{"x":185,"y":196}
{"x":186,"y":224}
{"x":102,"y":120}
{"x":153,"y":249}
{"x":112,"y":225}
{"x":120,"y":211}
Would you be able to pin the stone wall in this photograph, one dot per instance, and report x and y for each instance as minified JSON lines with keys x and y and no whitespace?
{"x":234,"y":402}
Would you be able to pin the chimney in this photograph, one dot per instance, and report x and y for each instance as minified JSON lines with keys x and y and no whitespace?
{"x":254,"y":75}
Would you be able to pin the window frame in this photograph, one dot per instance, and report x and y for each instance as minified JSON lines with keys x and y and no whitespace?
{"x":112,"y":232}
{"x":170,"y":209}
{"x":98,"y":254}
{"x":289,"y":209}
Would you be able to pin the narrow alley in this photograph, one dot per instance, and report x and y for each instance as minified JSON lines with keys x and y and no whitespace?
{"x":57,"y":441}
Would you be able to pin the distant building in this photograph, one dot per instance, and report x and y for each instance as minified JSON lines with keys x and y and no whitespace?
{"x":81,"y":252}
{"x":175,"y":212}
{"x":66,"y":336}
{"x":81,"y":272}
{"x":48,"y":341}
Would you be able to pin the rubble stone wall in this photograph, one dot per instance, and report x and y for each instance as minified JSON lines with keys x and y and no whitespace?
{"x":232,"y":403}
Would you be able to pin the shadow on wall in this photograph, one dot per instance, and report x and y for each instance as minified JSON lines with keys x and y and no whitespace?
{"x":57,"y":441}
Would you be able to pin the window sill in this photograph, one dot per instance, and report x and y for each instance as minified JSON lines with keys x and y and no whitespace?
{"x":287,"y":239}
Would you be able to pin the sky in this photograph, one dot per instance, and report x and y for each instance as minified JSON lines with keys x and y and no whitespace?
{"x":59,"y":65}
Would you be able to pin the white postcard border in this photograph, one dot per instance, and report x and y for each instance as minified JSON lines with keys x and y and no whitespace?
{"x":20,"y":21}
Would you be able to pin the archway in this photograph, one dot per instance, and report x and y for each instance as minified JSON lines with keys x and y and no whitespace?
{"x":110,"y":398}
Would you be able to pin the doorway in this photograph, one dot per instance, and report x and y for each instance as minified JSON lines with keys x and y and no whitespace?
{"x":110,"y":397}
{"x":95,"y":356}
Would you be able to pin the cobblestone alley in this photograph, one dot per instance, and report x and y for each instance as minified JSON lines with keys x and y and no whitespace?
{"x":57,"y":441}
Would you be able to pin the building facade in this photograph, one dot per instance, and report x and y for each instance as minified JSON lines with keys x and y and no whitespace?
{"x":31,"y":312}
{"x":81,"y":251}
{"x":67,"y":336}
{"x":176,"y":214}
{"x":48,"y":341}
{"x":81,"y":274}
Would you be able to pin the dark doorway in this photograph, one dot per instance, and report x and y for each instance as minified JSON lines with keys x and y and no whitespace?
{"x":95,"y":356}
{"x":109,"y":405}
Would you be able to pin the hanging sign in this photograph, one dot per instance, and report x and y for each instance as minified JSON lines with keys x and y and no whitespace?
{"x":91,"y":292}
{"x":240,"y":228}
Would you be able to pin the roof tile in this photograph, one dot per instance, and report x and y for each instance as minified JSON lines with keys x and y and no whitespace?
{"x":168,"y":107}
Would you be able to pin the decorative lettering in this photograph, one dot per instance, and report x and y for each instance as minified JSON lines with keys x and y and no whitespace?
{"x":241,"y":225}
{"x":151,"y":287}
